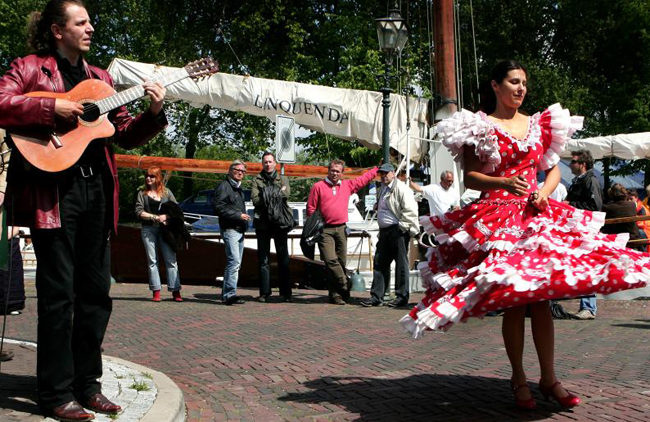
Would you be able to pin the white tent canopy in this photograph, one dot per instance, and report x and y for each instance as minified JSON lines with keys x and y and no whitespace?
{"x":631,"y":146}
{"x":348,"y":114}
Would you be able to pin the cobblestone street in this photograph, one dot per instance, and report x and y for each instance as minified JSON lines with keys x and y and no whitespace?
{"x":311,"y":361}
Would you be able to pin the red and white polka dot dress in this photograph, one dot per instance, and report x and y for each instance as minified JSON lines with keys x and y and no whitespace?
{"x":500,"y":251}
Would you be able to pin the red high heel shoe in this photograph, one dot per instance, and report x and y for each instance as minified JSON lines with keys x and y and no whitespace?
{"x":156,"y":296}
{"x":566,"y":402}
{"x":177,"y":296}
{"x":527,"y":404}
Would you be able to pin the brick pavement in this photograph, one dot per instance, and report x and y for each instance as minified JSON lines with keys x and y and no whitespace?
{"x":310,"y":361}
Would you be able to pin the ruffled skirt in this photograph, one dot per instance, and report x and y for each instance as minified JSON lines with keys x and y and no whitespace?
{"x":501,"y":254}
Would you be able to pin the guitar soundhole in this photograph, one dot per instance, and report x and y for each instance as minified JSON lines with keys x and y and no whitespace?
{"x":91,"y":112}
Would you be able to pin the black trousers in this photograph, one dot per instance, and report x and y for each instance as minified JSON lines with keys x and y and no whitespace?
{"x":393,"y":245}
{"x":73,"y":283}
{"x":282,"y":253}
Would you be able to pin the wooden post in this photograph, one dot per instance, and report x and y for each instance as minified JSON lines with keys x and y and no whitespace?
{"x":445,"y":56}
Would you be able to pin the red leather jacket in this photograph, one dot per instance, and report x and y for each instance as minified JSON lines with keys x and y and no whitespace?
{"x":36,"y":199}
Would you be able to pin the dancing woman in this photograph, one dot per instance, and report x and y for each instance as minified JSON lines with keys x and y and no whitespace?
{"x":514,"y":246}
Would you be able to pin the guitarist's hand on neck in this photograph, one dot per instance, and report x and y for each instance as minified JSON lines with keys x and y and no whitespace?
{"x":156,"y":93}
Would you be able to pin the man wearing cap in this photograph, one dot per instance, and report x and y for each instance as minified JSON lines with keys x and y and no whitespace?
{"x":397,"y":215}
{"x":330,"y":197}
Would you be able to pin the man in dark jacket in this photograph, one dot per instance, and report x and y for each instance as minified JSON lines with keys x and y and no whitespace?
{"x":70,"y":212}
{"x":233,"y":221}
{"x":584,"y":193}
{"x":271,"y":190}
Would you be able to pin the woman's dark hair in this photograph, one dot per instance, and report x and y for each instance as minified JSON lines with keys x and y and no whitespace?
{"x":39,"y":33}
{"x":488,"y":101}
{"x":617,"y":192}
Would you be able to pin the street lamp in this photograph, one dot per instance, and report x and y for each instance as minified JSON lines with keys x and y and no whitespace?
{"x":392,"y":34}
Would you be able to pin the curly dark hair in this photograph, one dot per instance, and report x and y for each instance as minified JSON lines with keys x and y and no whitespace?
{"x":39,"y":33}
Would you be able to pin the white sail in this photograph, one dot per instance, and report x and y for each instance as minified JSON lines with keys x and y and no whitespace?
{"x":348,"y":114}
{"x":628,"y":146}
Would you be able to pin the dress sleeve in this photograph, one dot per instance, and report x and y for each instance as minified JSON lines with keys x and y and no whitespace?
{"x":557,"y":126}
{"x":467,"y":128}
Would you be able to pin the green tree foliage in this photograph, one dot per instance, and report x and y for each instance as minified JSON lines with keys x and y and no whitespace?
{"x":590,"y":56}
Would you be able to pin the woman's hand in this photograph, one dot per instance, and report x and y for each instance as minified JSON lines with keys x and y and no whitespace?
{"x":516,"y":185}
{"x":162,"y":219}
{"x":539,"y":200}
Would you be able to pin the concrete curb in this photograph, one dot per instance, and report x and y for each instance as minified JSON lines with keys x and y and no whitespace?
{"x":169,"y":404}
{"x":163,"y":402}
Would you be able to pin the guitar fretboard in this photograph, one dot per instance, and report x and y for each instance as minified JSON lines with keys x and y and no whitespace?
{"x":136,"y":92}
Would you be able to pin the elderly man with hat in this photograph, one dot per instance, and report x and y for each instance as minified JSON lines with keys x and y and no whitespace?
{"x":397,"y":215}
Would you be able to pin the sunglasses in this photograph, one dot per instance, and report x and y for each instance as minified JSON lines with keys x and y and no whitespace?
{"x":239,"y":171}
{"x":150,"y":175}
{"x":575,"y":161}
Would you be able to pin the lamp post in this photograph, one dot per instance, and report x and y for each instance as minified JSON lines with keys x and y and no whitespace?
{"x":392,"y":34}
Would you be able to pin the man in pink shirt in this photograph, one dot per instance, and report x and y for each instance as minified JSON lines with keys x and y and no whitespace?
{"x":330,"y":196}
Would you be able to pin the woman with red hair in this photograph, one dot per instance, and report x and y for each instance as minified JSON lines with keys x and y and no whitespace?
{"x":148,"y":209}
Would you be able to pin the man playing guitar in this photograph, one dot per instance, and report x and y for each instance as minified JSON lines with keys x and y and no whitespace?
{"x":70,"y":212}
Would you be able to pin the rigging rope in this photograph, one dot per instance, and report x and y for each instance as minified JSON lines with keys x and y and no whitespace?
{"x":244,"y":68}
{"x":471,"y":9}
{"x":429,"y":7}
{"x":459,"y":60}
{"x":432,"y":56}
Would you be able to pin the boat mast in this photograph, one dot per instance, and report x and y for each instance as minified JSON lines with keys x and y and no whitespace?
{"x":445,"y":59}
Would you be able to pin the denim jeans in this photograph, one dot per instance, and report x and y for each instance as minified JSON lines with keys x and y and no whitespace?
{"x":234,"y":242}
{"x":589,"y":303}
{"x":152,"y":239}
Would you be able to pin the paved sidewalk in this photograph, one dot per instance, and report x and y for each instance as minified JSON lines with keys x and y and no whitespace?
{"x":311,"y":361}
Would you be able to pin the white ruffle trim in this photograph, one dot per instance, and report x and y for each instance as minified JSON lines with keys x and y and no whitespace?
{"x":540,"y":236}
{"x":467,"y":128}
{"x":563,"y":126}
{"x":487,"y":279}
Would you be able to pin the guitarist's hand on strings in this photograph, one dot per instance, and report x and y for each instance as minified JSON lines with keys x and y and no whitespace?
{"x":67,"y":111}
{"x":156,"y":92}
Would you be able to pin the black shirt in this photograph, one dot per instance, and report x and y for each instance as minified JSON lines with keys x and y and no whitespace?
{"x":72,"y":75}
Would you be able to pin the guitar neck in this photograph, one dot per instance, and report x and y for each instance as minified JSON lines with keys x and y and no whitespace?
{"x":129,"y":95}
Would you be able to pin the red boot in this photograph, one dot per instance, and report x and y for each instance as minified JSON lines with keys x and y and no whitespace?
{"x":177,"y":296}
{"x":156,"y":296}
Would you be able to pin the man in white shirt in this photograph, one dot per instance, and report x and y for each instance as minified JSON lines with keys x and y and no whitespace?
{"x":560,"y":192}
{"x":397,"y":216}
{"x":441,"y":197}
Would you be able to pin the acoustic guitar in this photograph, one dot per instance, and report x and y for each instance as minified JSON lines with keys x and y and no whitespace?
{"x":63,"y":148}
